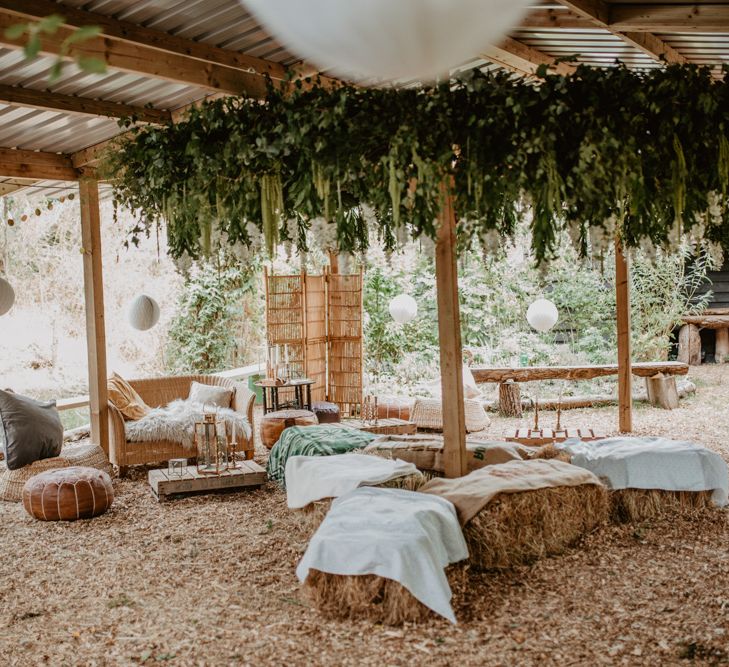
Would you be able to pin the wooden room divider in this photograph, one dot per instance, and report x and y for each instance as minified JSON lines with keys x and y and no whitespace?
{"x":319,"y":318}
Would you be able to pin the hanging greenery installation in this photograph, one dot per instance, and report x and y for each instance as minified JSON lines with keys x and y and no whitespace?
{"x":646,"y":153}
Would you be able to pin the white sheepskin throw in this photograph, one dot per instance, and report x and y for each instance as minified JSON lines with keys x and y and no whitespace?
{"x":176,"y":423}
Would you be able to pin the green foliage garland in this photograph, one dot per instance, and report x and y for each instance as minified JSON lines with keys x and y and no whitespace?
{"x":646,"y":152}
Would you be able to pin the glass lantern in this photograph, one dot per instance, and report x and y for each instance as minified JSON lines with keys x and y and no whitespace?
{"x":211,"y":444}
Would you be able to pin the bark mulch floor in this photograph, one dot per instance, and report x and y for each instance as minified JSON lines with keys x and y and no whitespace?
{"x":210,"y":581}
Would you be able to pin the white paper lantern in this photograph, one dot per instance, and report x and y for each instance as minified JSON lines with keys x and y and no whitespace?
{"x":403,"y":308}
{"x":388,"y":39}
{"x":542,"y":315}
{"x":143,"y":312}
{"x":7,"y":296}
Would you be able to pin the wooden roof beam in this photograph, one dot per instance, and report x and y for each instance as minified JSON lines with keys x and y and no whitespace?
{"x":145,"y":61}
{"x":669,"y":18}
{"x":148,"y":38}
{"x":598,"y":11}
{"x":523,"y":59}
{"x":15,"y":163}
{"x":555,"y":19}
{"x":41,"y":99}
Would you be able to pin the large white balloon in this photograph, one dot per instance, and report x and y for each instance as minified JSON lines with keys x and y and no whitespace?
{"x":7,"y":296}
{"x":143,"y":312}
{"x":388,"y":39}
{"x":542,"y":315}
{"x":403,"y":308}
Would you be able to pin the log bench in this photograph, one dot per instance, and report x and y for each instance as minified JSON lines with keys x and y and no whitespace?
{"x":689,"y":337}
{"x":660,"y":379}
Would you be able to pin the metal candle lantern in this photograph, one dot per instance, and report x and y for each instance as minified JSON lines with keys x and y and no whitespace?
{"x":211,"y":444}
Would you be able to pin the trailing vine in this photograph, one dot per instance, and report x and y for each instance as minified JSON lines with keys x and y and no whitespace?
{"x":648,"y":151}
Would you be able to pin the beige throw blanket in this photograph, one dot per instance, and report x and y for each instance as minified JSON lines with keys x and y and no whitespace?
{"x":470,"y":494}
{"x":426,"y":451}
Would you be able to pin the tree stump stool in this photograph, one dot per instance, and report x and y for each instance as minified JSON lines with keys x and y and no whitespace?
{"x":274,"y":423}
{"x":68,"y":494}
{"x":510,"y":399}
{"x":326,"y":413}
{"x":662,"y":391}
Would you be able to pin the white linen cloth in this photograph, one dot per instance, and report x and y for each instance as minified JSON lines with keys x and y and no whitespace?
{"x":402,"y":535}
{"x":652,"y":463}
{"x":311,"y":478}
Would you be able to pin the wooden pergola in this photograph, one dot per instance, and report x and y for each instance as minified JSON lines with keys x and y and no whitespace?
{"x":164,"y":57}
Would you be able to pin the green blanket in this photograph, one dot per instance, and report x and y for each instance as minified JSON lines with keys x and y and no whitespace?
{"x":323,"y":440}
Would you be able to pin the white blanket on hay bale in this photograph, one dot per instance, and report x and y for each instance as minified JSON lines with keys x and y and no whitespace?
{"x":405,"y":536}
{"x":652,"y":463}
{"x":311,"y":478}
{"x":176,"y":422}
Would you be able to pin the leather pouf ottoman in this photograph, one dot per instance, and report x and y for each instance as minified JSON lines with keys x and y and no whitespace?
{"x":68,"y":494}
{"x":326,"y":413}
{"x":273,"y":423}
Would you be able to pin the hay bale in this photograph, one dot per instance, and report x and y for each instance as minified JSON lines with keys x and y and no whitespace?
{"x":632,"y":505}
{"x":313,"y":514}
{"x":519,"y":528}
{"x":550,"y":452}
{"x":377,"y":599}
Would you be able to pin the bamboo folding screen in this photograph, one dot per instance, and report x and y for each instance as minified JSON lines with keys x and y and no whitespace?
{"x":319,"y":318}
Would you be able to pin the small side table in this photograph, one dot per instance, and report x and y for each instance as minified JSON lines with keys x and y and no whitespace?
{"x":164,"y":484}
{"x":271,"y":389}
{"x":389,"y":426}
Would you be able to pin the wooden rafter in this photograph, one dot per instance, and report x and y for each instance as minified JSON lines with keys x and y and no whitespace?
{"x":523,"y":59}
{"x":670,"y":18}
{"x":42,"y":99}
{"x":555,"y":19}
{"x":598,"y":11}
{"x":16,"y":163}
{"x":144,"y":60}
{"x":130,"y":33}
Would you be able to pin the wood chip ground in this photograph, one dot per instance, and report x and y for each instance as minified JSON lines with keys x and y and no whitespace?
{"x":210,"y":581}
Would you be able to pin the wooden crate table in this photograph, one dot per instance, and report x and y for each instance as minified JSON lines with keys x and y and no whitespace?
{"x":249,"y":474}
{"x":545,"y":436}
{"x":389,"y":426}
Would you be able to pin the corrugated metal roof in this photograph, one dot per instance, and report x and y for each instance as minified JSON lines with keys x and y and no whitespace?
{"x":226,"y":24}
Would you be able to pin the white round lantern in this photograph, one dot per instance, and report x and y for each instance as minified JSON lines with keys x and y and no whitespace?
{"x":143,"y":312}
{"x":403,"y":308}
{"x":7,"y":296}
{"x":388,"y":39}
{"x":542,"y":315}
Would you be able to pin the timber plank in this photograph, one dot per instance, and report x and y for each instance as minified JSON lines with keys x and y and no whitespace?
{"x":532,"y":373}
{"x":249,"y":474}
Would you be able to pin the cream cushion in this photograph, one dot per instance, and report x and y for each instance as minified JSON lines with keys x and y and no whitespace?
{"x":210,"y":394}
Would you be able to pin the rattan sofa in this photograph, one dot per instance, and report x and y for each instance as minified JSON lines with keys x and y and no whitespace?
{"x":158,"y":392}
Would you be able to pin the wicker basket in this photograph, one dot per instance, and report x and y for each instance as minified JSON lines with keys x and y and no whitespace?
{"x":13,"y":481}
{"x":428,"y":414}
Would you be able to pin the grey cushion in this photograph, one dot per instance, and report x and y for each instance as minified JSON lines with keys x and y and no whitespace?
{"x":31,"y":430}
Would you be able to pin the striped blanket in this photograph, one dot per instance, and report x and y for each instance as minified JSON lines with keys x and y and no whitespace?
{"x":323,"y":440}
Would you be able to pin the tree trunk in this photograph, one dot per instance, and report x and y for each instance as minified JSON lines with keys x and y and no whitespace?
{"x":721,"y":352}
{"x":662,"y":391}
{"x":689,"y":345}
{"x":510,"y":399}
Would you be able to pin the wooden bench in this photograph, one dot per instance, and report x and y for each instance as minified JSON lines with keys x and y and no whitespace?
{"x":659,"y":376}
{"x":689,"y":337}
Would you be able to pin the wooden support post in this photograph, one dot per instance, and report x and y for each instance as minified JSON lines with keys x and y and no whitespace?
{"x":94,"y":298}
{"x":721,"y":350}
{"x":689,"y":345}
{"x":622,"y":302}
{"x":449,"y":335}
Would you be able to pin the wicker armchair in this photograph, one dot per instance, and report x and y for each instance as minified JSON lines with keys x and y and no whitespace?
{"x":157,"y":392}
